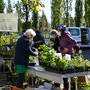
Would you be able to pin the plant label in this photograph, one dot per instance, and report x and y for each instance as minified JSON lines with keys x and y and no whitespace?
{"x":8,"y":49}
{"x":68,"y":57}
{"x":47,"y":85}
{"x":59,"y":55}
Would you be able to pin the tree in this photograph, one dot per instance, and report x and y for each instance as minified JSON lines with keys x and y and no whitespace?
{"x":25,"y":13}
{"x":2,"y":6}
{"x":32,"y":5}
{"x":87,"y":13}
{"x":19,"y":11}
{"x":56,"y":12}
{"x":43,"y":21}
{"x":78,"y":13}
{"x":46,"y":24}
{"x":35,"y":19}
{"x":9,"y":7}
{"x":67,"y":12}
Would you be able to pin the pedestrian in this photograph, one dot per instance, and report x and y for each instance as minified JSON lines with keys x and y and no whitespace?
{"x":23,"y":50}
{"x":54,"y":34}
{"x":38,"y":39}
{"x":66,"y":45}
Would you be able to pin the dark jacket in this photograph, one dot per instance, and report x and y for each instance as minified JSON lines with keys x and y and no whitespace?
{"x":23,"y":50}
{"x":56,"y":44}
{"x":39,"y":37}
{"x":66,"y":41}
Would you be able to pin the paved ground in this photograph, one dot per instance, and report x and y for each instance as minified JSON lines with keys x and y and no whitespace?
{"x":86,"y":53}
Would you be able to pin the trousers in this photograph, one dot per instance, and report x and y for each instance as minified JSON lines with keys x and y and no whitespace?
{"x":20,"y":80}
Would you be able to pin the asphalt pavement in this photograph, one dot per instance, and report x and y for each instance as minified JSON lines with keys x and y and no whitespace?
{"x":86,"y":53}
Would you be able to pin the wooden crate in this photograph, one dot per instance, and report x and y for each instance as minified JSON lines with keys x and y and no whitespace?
{"x":81,"y":79}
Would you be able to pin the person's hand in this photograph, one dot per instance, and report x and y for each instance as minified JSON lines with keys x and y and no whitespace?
{"x":59,"y":49}
{"x":65,"y":49}
{"x":36,"y":51}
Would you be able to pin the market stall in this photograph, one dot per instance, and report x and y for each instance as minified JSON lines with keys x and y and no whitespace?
{"x":57,"y":67}
{"x":40,"y":72}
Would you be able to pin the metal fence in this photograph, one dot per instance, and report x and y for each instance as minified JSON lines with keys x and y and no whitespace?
{"x":9,"y":35}
{"x":45,"y":33}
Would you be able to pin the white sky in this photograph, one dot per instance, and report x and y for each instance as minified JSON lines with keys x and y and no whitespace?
{"x":47,"y":9}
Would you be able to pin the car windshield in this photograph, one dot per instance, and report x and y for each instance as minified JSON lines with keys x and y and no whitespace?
{"x":74,"y":32}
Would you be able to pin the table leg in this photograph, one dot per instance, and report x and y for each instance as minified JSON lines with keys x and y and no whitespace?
{"x":11,"y":64}
{"x":76,"y":84}
{"x":3,"y":65}
{"x":32,"y":78}
{"x":69,"y":79}
{"x":38,"y":80}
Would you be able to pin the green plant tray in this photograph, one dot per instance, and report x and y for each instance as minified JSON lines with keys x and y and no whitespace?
{"x":55,"y":70}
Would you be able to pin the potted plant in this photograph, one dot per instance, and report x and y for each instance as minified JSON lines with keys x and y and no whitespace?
{"x":58,"y":65}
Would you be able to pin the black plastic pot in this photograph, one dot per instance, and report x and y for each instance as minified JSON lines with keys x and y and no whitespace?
{"x":56,"y":70}
{"x":32,"y":64}
{"x":34,"y":81}
{"x":87,"y":69}
{"x":43,"y":64}
{"x":57,"y":85}
{"x":4,"y":56}
{"x":79,"y":69}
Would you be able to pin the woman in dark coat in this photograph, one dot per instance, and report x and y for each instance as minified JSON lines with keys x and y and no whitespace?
{"x":23,"y":50}
{"x":54,"y":34}
{"x":38,"y":39}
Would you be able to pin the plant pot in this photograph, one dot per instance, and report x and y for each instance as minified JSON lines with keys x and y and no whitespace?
{"x":79,"y":69}
{"x":6,"y":56}
{"x":32,"y":64}
{"x":1,"y":54}
{"x":57,"y":85}
{"x":87,"y":69}
{"x":70,"y":71}
{"x":34,"y":81}
{"x":43,"y":64}
{"x":59,"y":71}
{"x":51,"y":69}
